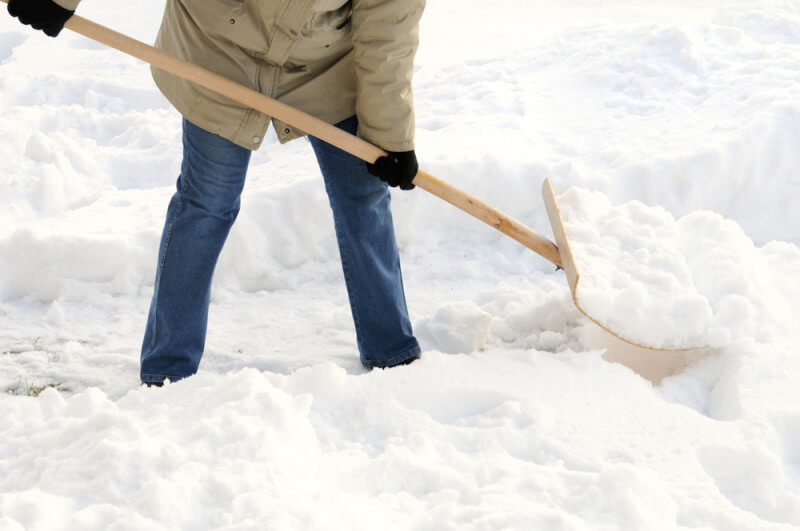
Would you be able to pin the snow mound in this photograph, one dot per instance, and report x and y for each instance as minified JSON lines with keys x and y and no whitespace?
{"x":456,"y":327}
{"x":663,"y":282}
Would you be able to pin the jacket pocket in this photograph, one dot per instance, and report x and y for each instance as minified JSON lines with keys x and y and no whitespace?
{"x":216,"y":18}
{"x":237,"y":22}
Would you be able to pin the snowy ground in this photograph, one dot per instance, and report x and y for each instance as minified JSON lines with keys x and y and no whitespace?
{"x":515,"y":417}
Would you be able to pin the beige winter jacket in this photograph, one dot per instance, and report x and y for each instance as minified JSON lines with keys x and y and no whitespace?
{"x":329,"y":58}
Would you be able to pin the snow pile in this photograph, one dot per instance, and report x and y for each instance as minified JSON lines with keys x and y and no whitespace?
{"x":681,"y":117}
{"x":457,"y":327}
{"x":689,"y":283}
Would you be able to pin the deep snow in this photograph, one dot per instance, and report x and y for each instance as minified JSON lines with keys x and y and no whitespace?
{"x":521,"y":414}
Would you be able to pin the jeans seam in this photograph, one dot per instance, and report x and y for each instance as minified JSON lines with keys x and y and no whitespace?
{"x":352,"y":297}
{"x":167,"y":238}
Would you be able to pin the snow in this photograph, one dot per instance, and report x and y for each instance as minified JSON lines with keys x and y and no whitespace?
{"x":677,"y":126}
{"x":690,"y":283}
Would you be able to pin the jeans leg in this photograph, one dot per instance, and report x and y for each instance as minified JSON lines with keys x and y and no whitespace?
{"x":199,"y":217}
{"x":371,"y":263}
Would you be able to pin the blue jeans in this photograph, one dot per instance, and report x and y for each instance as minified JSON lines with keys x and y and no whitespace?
{"x":199,"y":217}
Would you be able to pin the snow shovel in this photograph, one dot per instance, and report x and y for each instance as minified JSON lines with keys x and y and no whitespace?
{"x":560,"y":254}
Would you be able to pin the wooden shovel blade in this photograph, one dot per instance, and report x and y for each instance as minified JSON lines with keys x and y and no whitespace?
{"x":573,"y":272}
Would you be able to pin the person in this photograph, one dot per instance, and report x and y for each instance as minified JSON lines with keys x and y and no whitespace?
{"x":348,"y":62}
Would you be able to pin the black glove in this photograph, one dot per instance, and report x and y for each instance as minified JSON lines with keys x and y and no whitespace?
{"x":43,"y":15}
{"x":398,"y":168}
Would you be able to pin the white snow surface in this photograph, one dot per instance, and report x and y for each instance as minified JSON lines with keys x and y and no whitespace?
{"x":521,"y":414}
{"x":691,"y":283}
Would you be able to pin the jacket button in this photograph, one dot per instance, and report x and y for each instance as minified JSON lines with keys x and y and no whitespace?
{"x":256,"y":139}
{"x":287,"y":130}
{"x":233,"y":21}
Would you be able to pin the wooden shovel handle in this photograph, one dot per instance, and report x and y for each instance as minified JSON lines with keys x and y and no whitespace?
{"x":313,"y":126}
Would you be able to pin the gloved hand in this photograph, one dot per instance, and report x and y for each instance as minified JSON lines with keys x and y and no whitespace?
{"x":398,"y":168}
{"x":43,"y":15}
